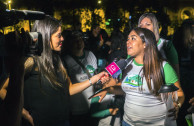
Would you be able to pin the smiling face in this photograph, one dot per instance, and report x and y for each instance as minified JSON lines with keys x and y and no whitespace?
{"x":146,"y":23}
{"x":56,"y":40}
{"x":135,"y":46}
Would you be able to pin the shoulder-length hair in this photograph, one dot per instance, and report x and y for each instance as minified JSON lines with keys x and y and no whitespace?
{"x":154,"y":21}
{"x":49,"y":63}
{"x":152,"y":60}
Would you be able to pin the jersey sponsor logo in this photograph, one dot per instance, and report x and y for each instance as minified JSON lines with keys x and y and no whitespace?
{"x":133,"y":80}
{"x":82,"y":78}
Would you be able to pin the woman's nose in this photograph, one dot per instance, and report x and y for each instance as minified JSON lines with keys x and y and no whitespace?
{"x":128,"y":41}
{"x":62,"y":39}
{"x":142,"y":26}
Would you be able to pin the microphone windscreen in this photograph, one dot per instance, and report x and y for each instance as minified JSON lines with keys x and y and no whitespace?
{"x":121,"y":63}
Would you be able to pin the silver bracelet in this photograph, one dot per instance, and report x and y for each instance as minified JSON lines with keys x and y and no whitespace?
{"x":179,"y":104}
{"x":90,"y":82}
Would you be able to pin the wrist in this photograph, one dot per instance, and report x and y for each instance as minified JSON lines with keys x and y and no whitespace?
{"x":90,"y":82}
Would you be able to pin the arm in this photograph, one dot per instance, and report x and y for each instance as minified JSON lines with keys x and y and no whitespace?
{"x":181,"y":96}
{"x":26,"y":115}
{"x":78,"y":87}
{"x":100,"y":110}
{"x":95,"y":109}
{"x":177,"y":104}
{"x":171,"y":77}
{"x":110,"y":83}
{"x":3,"y":90}
{"x":28,"y":65}
{"x":112,"y":90}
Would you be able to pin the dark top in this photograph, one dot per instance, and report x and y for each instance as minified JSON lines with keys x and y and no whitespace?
{"x":47,"y":105}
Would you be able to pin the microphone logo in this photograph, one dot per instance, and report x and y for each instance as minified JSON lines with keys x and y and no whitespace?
{"x":112,"y":68}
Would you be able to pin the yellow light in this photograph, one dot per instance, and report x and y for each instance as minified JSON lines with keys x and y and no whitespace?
{"x":99,"y":2}
{"x":9,"y":4}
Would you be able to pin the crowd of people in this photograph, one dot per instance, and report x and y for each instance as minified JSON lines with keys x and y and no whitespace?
{"x":53,"y":89}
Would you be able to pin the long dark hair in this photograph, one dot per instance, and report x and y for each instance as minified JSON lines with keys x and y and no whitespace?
{"x":49,"y":63}
{"x":152,"y":60}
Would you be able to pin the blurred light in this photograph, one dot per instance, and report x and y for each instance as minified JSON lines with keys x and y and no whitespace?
{"x":109,"y":19}
{"x":107,"y":23}
{"x":130,"y":17}
{"x":99,"y":1}
{"x":118,"y":19}
{"x":9,"y":4}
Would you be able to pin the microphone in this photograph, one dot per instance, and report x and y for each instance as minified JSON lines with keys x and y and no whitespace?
{"x":115,"y":68}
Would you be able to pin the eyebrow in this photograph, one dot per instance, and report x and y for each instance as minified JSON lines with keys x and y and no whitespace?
{"x":59,"y":33}
{"x":133,"y":36}
{"x":146,"y":22}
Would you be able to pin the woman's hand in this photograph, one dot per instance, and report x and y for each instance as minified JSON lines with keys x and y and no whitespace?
{"x":113,"y":111}
{"x":174,"y":111}
{"x":26,"y":115}
{"x":111,"y":82}
{"x":103,"y":76}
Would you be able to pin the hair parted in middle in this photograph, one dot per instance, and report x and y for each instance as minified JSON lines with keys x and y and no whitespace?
{"x":154,"y":21}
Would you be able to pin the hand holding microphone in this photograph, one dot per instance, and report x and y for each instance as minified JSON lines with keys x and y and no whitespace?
{"x":114,"y":69}
{"x":103,"y":77}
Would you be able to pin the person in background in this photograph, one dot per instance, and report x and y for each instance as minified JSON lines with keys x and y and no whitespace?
{"x":81,"y":64}
{"x":97,"y":42}
{"x":11,"y":96}
{"x":117,"y":47}
{"x":77,"y":27}
{"x":47,"y":87}
{"x":165,"y":47}
{"x":183,"y":40}
{"x":109,"y":111}
{"x":142,"y":79}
